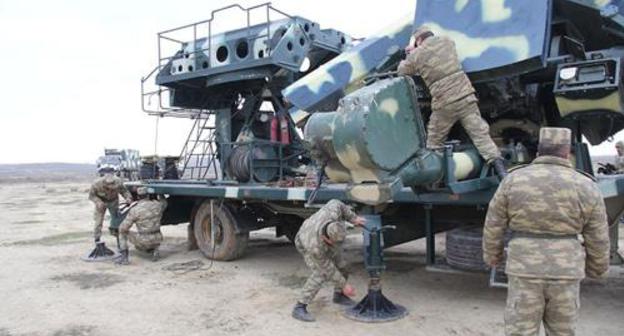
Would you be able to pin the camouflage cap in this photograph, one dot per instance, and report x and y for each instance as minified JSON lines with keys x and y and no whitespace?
{"x":619,"y":144}
{"x":337,"y":231}
{"x":555,"y":136}
{"x":141,"y":191}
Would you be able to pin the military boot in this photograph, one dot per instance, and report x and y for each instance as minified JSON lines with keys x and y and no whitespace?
{"x":499,"y":167}
{"x":300,"y":312}
{"x":155,"y":255}
{"x":122,"y":258}
{"x":343,"y":300}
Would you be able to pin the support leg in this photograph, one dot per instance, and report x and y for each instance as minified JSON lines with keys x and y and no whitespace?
{"x":430,"y":236}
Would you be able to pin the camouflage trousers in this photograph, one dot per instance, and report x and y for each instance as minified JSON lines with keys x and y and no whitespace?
{"x":466,"y":111}
{"x":322,"y":271}
{"x":531,"y":301}
{"x":142,"y":242}
{"x":98,"y":216}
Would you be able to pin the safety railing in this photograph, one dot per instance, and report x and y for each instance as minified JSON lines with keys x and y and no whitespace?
{"x":196,"y":29}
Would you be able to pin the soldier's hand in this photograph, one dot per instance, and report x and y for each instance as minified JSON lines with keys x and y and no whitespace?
{"x":348,"y":290}
{"x":359,"y":221}
{"x":493,"y":262}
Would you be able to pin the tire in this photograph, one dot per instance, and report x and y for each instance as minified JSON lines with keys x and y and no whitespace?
{"x":464,"y":249}
{"x":230,"y":244}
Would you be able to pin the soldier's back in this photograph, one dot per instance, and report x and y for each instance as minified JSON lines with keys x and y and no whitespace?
{"x":546,"y":204}
{"x":148,"y":214}
{"x":441,"y":71}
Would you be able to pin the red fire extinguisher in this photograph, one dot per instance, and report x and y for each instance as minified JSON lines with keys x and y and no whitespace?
{"x":284,"y":132}
{"x":274,"y":128}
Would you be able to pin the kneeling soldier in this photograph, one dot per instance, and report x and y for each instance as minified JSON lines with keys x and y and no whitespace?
{"x":320,"y":240}
{"x":146,"y":214}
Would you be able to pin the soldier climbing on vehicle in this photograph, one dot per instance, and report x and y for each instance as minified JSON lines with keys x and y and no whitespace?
{"x":146,"y":214}
{"x":435,"y":59}
{"x":320,"y":240}
{"x":104,"y":193}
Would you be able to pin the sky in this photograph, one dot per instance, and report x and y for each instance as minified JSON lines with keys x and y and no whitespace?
{"x":70,"y":83}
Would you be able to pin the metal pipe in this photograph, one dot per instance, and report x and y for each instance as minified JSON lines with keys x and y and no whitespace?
{"x":430,"y":235}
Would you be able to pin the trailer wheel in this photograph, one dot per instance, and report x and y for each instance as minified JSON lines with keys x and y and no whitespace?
{"x":229,"y":244}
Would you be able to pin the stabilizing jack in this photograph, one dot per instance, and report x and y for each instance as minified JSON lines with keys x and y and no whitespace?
{"x":375,"y":307}
{"x":99,"y":253}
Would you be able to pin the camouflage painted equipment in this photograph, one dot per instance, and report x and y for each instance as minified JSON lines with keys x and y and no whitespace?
{"x":490,"y":34}
{"x":499,"y":39}
{"x":321,"y":89}
{"x":376,"y":141}
{"x":555,"y":136}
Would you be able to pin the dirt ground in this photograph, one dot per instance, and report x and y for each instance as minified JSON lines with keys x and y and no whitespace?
{"x":45,"y":289}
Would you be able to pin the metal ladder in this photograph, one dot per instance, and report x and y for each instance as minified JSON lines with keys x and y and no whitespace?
{"x":199,"y":152}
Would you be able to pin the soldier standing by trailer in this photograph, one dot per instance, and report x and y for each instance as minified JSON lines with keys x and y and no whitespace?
{"x":547,"y":205}
{"x":146,"y":215}
{"x":320,"y":240}
{"x":104,"y":193}
{"x":619,"y":159}
{"x":435,"y":59}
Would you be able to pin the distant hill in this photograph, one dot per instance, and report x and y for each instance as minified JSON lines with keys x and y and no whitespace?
{"x":46,"y":172}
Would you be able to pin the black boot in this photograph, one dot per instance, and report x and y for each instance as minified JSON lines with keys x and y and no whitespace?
{"x":300,"y":312}
{"x":499,"y":167}
{"x":122,"y":258}
{"x":343,"y":300}
{"x":99,"y":253}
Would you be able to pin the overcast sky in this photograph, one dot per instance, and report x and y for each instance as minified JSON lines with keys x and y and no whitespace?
{"x":70,"y":84}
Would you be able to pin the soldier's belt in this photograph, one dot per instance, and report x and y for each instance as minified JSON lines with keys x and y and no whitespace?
{"x":520,"y":234}
{"x":150,"y":232}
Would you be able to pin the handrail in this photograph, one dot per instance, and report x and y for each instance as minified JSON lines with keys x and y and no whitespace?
{"x":163,"y":110}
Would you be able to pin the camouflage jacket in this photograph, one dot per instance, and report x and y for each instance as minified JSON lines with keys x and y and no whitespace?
{"x":100,"y":193}
{"x":309,"y":235}
{"x":548,"y":197}
{"x":436,"y":61}
{"x":146,"y":214}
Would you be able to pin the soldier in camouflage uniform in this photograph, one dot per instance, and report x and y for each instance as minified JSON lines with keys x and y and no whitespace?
{"x":619,"y":160}
{"x":319,"y":240}
{"x":104,"y":193}
{"x":146,"y":214}
{"x":546,"y":206}
{"x":435,"y":59}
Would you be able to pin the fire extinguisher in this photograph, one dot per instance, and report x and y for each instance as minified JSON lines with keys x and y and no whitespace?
{"x":274,"y":128}
{"x":284,"y":132}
